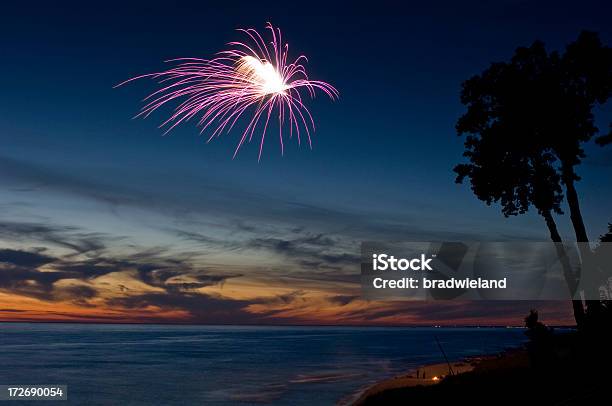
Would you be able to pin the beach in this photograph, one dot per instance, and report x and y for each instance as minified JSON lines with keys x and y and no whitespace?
{"x":433,"y":374}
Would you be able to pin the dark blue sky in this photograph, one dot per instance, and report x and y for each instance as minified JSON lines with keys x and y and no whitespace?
{"x":388,"y":143}
{"x":381,"y":166}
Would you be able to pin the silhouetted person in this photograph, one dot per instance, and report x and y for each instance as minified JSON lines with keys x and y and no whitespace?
{"x":540,"y":341}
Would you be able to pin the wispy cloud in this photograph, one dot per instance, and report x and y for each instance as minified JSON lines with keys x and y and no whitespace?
{"x":189,"y":256}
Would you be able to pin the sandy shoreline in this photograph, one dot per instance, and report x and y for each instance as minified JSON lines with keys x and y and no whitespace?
{"x":427,"y":375}
{"x":432,"y":374}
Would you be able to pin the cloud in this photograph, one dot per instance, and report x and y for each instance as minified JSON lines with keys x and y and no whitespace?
{"x":180,"y":281}
{"x":200,"y":238}
{"x":319,"y":248}
{"x":174,"y":274}
{"x":225,"y":203}
{"x":68,"y":237}
{"x":212,"y":308}
{"x":21,"y":274}
{"x":458,"y":312}
{"x":311,"y":251}
{"x":40,"y":285}
{"x":342,"y":300}
{"x":24,"y":258}
{"x":32,"y":177}
{"x":202,"y":308}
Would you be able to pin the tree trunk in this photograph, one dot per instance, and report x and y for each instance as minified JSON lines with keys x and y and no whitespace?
{"x":569,"y":177}
{"x":568,"y":274}
{"x":574,"y":205}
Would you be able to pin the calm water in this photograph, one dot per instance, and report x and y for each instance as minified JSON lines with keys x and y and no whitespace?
{"x":153,"y":364}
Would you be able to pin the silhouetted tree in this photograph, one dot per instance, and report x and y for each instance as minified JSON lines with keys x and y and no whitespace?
{"x":502,"y":170}
{"x":585,"y":80}
{"x":526,"y":121}
{"x":607,"y":237}
{"x":599,"y":318}
{"x":504,"y":167}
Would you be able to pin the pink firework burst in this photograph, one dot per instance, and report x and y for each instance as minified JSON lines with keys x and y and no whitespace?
{"x":252,"y":78}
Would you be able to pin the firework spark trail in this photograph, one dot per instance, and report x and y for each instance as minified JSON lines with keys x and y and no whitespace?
{"x":249,"y":77}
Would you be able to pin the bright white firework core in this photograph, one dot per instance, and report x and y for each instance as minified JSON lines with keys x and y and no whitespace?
{"x":252,"y":80}
{"x":262,"y":74}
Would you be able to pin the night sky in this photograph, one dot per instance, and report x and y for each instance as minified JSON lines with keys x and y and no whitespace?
{"x":103,"y":218}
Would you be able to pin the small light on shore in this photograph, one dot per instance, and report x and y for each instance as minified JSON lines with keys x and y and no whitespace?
{"x":435,"y":378}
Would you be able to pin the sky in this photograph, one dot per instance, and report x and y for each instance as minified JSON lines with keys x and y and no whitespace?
{"x":103,"y":218}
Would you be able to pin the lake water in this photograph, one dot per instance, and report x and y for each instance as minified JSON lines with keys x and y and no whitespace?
{"x":226,"y":365}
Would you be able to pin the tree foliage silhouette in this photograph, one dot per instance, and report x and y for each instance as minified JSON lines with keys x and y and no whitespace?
{"x":525,"y":125}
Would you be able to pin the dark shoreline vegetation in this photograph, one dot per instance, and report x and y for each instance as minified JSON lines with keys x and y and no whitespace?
{"x":568,"y":368}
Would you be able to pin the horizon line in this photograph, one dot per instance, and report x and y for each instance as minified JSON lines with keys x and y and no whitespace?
{"x":275,"y":325}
